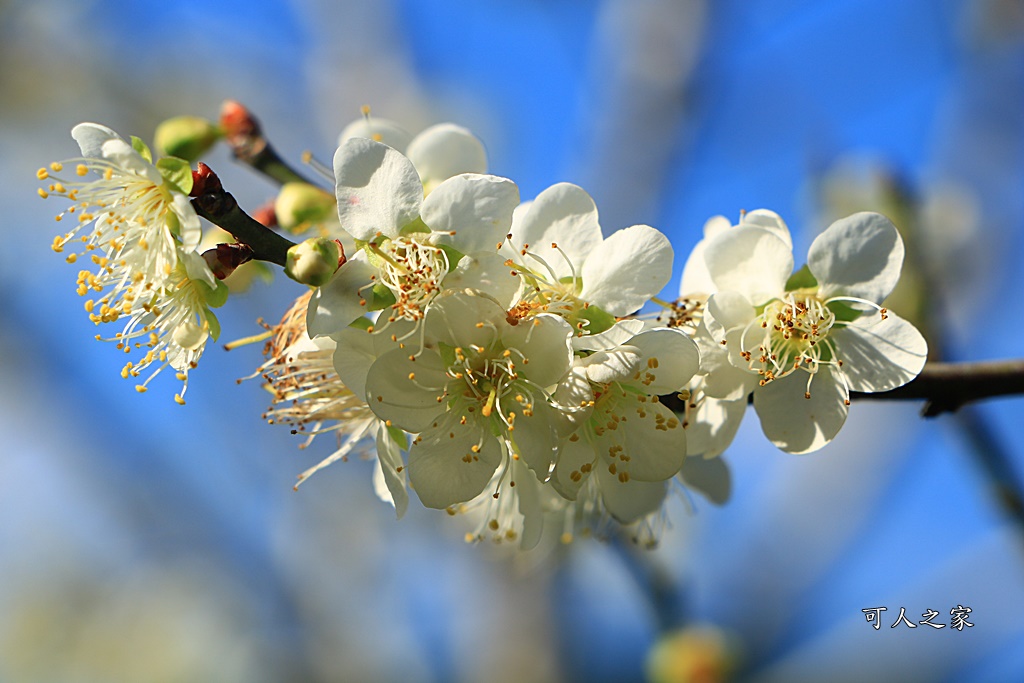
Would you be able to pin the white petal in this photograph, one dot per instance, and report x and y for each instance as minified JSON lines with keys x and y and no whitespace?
{"x":653,"y":439}
{"x":196,"y":268}
{"x":879,"y":355}
{"x":485,"y":272}
{"x":573,"y":398}
{"x":860,"y":256}
{"x":446,"y":150}
{"x":617,"y":334}
{"x":568,"y":476}
{"x":471,"y":212}
{"x":669,"y":359}
{"x":769,"y":220}
{"x":710,"y":477}
{"x":614,"y":365}
{"x":381,"y":130}
{"x":534,"y":438}
{"x":623,"y":272}
{"x":191,"y":230}
{"x":713,"y":426}
{"x":528,"y":491}
{"x":629,"y":501}
{"x":91,"y":138}
{"x":410,"y":404}
{"x":392,"y":469}
{"x":463,"y":319}
{"x":563,"y":214}
{"x":444,"y":469}
{"x":796,"y":424}
{"x":750,"y":260}
{"x":543,"y":342}
{"x":377,"y":188}
{"x":727,"y":311}
{"x":353,"y":356}
{"x":335,"y":305}
{"x":696,"y":278}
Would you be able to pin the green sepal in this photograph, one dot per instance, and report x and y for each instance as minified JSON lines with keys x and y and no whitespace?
{"x":399,"y":437}
{"x":142,"y":148}
{"x":416,"y":226}
{"x":600,"y":320}
{"x":361,"y":323}
{"x":380,"y":297}
{"x":447,"y":353}
{"x":215,"y":297}
{"x":213,"y":323}
{"x":452,"y":254}
{"x":844,"y":312}
{"x":177,"y":173}
{"x":802,"y":279}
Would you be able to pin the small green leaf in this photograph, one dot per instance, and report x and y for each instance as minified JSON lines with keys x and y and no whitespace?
{"x":177,"y":173}
{"x":801,"y":279}
{"x":213,"y":323}
{"x":416,"y":226}
{"x":142,"y":148}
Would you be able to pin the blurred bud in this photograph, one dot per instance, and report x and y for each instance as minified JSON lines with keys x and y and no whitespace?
{"x":313,"y":261}
{"x":299,"y":205}
{"x":696,"y":654}
{"x":374,"y":128}
{"x":266,"y":215}
{"x":186,"y":137}
{"x":237,"y":121}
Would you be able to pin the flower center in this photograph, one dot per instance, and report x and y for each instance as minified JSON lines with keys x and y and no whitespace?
{"x":794,"y":335}
{"x":413,"y":271}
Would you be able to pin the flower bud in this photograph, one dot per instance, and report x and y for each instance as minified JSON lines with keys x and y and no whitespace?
{"x":300,"y":205}
{"x":694,"y":654}
{"x":313,"y":261}
{"x":186,"y":137}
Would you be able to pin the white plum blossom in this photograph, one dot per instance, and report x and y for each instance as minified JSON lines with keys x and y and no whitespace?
{"x":812,"y":338}
{"x":569,"y":268}
{"x":476,"y":398}
{"x":142,"y":238}
{"x":626,"y":438}
{"x":410,"y":243}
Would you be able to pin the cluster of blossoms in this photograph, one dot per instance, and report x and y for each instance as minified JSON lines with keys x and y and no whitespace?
{"x":491,"y":349}
{"x":134,"y":221}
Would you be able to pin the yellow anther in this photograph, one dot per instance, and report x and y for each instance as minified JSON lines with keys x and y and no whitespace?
{"x":179,"y":400}
{"x":81,"y":169}
{"x":42,"y":174}
{"x":139,"y":388}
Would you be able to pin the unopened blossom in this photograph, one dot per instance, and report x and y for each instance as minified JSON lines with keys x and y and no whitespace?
{"x":571,"y":270}
{"x":411,"y":243}
{"x":476,"y":397}
{"x":811,"y":338}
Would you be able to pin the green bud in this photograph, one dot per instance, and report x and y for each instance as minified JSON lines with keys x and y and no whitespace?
{"x":300,"y":205}
{"x":187,"y":137}
{"x":313,"y":261}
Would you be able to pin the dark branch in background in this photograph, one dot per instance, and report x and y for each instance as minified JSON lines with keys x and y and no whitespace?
{"x":945,"y":387}
{"x":216,"y":205}
{"x":244,"y":135}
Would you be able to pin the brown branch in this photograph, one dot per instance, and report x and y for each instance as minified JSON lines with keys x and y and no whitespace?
{"x":945,"y":387}
{"x":221,"y":209}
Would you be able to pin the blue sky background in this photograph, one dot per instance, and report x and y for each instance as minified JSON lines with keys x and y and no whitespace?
{"x":147,"y":542}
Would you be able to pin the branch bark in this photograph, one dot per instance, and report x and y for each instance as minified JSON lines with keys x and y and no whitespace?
{"x":221,"y":209}
{"x":945,"y":387}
